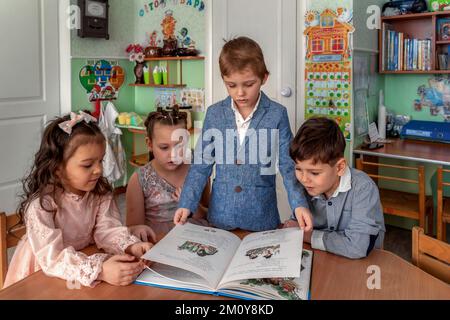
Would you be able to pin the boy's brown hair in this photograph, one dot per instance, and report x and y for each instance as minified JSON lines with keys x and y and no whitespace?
{"x":241,"y":53}
{"x":319,"y":139}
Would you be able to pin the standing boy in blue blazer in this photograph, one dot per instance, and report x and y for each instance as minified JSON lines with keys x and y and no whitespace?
{"x":247,"y":137}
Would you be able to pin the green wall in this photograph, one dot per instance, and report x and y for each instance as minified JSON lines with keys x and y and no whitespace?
{"x":400,"y":93}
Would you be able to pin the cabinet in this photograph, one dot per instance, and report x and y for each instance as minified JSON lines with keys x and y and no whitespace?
{"x":422,"y":26}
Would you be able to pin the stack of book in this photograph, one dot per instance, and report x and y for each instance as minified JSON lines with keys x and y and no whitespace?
{"x":401,"y":53}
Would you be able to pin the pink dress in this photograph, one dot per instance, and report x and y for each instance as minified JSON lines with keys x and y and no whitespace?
{"x":53,"y":240}
{"x":159,"y":205}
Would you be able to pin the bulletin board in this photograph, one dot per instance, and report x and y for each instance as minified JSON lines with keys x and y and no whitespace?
{"x":328,"y":74}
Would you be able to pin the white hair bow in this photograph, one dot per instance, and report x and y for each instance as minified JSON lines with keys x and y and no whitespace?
{"x":67,"y":126}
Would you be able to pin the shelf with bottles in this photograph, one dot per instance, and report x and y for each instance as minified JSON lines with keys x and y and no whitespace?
{"x":411,"y":43}
{"x":170,"y":80}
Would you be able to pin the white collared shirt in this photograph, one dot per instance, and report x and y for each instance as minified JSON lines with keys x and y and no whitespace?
{"x":242,"y":124}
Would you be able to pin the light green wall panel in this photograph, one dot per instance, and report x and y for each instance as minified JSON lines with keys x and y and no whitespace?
{"x":400,"y":93}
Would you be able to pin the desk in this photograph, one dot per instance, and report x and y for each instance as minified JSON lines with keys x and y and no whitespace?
{"x":416,"y":150}
{"x":333,"y":277}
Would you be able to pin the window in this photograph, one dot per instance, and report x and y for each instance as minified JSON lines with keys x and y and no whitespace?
{"x":317,"y":46}
{"x":337,"y":44}
{"x":327,"y":22}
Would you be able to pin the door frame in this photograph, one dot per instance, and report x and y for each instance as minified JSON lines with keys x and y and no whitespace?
{"x":301,"y":64}
{"x":65,"y":59}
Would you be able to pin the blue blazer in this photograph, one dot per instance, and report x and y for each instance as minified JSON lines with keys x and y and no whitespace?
{"x":243,"y":191}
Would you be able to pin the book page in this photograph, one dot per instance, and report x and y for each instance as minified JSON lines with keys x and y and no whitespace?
{"x":201,"y":250}
{"x":268,"y":254}
{"x":168,"y":276}
{"x":275,"y":288}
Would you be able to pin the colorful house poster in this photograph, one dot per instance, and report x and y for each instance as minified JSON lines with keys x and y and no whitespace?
{"x":328,"y":74}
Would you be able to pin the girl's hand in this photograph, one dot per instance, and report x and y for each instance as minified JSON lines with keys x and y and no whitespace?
{"x":120,"y":270}
{"x":181,"y":216}
{"x":304,"y":218}
{"x":176,"y":195}
{"x":143,"y":232}
{"x":138,"y":249}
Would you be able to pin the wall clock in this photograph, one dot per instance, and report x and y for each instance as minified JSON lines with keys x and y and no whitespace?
{"x":94,"y":19}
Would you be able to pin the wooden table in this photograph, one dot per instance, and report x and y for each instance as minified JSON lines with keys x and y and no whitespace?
{"x":416,"y":150}
{"x":333,"y":277}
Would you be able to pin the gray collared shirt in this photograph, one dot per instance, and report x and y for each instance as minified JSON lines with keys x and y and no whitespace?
{"x":351,"y":222}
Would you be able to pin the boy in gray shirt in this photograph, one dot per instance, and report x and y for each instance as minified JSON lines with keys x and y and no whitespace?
{"x":345,"y":203}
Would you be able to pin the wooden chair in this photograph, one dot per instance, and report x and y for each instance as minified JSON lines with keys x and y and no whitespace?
{"x":399,"y":203}
{"x":11,"y":231}
{"x":431,"y":255}
{"x":443,"y":205}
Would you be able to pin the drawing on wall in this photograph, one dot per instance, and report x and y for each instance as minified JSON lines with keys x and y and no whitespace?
{"x":436,"y":97}
{"x":201,"y":250}
{"x":102,"y":79}
{"x":266,"y":252}
{"x":329,"y":65}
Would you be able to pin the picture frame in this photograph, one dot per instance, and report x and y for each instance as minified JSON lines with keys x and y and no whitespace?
{"x":443,"y":29}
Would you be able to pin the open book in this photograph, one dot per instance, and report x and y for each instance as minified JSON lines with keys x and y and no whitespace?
{"x":264,"y":265}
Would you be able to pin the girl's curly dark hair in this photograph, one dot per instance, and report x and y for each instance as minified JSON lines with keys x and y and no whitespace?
{"x":56,"y":148}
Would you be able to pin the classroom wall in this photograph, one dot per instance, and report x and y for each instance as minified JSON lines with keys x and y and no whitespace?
{"x":365,"y":43}
{"x":132,"y":21}
{"x":400,"y":92}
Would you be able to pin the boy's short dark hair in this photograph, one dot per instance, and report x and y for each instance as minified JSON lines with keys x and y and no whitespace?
{"x":241,"y":53}
{"x":319,"y":139}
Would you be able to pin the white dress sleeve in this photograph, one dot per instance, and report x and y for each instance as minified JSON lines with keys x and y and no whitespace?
{"x":110,"y":234}
{"x":54,"y":258}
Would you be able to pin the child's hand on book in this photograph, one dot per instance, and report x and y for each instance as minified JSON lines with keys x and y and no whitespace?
{"x":181,"y":216}
{"x":120,"y":270}
{"x":139,"y":249}
{"x":290,"y":224}
{"x":143,"y":232}
{"x":304,"y":218}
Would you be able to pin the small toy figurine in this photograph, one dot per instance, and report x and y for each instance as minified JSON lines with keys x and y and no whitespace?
{"x":184,"y":40}
{"x":168,"y":25}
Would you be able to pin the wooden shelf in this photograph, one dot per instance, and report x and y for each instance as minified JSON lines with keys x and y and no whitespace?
{"x":425,"y":15}
{"x":175,"y":58}
{"x":420,"y":26}
{"x":139,"y":160}
{"x":416,"y":72}
{"x":158,"y":85}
